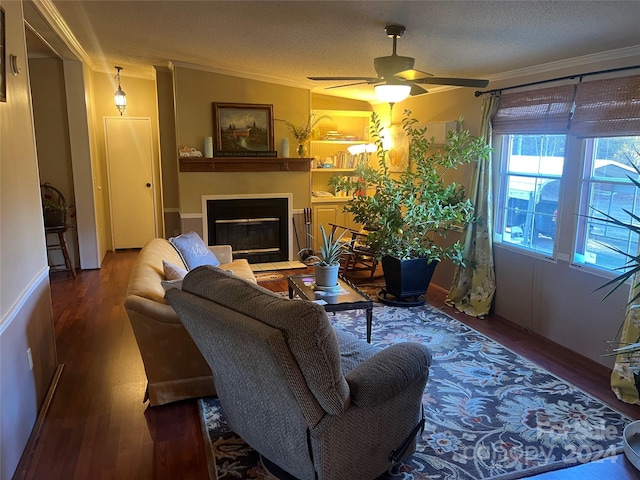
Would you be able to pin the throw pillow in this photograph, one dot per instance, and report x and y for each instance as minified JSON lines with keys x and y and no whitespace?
{"x":193,"y":250}
{"x":173,"y":272}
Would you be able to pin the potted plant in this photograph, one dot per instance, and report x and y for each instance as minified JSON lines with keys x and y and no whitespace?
{"x":409,"y":214}
{"x":54,"y":211}
{"x":630,"y":271}
{"x":304,"y":131}
{"x":327,"y":260}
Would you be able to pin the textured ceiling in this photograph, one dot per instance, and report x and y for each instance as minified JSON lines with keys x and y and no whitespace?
{"x":290,"y":40}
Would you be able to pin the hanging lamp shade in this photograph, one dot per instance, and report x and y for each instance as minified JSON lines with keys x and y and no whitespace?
{"x":120,"y":98}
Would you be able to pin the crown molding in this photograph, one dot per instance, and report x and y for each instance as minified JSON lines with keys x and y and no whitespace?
{"x":145,"y":72}
{"x":609,"y":55}
{"x":620,"y":53}
{"x":250,"y":76}
{"x":52,"y":16}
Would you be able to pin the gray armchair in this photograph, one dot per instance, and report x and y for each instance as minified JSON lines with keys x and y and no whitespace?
{"x":316,"y":402}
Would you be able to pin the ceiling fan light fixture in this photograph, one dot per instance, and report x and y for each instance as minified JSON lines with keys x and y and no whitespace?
{"x":392,"y":93}
{"x":397,"y":79}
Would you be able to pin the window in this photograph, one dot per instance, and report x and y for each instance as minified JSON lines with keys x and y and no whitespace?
{"x":529,"y":185}
{"x":607,"y":190}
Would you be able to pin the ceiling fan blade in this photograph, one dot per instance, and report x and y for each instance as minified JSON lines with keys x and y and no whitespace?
{"x":377,"y":80}
{"x":417,"y":90}
{"x":457,"y":82}
{"x":412,"y":75}
{"x":345,"y":79}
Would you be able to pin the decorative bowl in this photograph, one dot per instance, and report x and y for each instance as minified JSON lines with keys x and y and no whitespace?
{"x":631,"y":440}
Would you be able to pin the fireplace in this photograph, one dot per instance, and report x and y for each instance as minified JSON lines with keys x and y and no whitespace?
{"x":256,"y":227}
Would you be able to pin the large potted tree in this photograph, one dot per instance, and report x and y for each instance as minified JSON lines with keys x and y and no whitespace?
{"x":409,"y":214}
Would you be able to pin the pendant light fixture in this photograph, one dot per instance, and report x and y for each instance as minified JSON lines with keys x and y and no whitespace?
{"x":120,"y":98}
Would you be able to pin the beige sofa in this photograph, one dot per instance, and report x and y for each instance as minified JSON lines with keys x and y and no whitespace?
{"x":174,"y":366}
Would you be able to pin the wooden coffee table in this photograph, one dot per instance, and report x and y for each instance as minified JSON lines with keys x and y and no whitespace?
{"x":347,"y":297}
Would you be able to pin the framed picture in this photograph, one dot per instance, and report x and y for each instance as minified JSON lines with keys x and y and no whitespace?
{"x":3,"y":61}
{"x":243,"y":130}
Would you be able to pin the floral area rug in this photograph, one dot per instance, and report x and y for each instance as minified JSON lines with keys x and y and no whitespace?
{"x":489,"y":412}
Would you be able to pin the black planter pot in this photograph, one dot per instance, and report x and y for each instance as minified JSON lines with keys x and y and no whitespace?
{"x":406,"y":280}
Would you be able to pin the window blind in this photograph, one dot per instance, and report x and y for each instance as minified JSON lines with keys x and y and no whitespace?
{"x":536,"y":111}
{"x":608,"y":107}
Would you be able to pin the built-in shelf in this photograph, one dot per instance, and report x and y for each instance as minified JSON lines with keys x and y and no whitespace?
{"x":333,"y":170}
{"x":244,"y":164}
{"x":331,"y":199}
{"x":338,"y":142}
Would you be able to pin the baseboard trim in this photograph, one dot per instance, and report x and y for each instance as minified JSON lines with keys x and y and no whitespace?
{"x":29,"y":449}
{"x":439,"y":292}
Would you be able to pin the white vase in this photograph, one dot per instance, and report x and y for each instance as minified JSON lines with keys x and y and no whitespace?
{"x":326,"y":276}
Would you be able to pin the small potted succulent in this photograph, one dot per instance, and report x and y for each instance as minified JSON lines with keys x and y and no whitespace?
{"x":327,"y":259}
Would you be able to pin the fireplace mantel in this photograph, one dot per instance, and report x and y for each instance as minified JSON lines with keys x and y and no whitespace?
{"x":244,"y":164}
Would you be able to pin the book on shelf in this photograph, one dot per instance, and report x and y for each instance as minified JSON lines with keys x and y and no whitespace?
{"x":321,"y":193}
{"x":341,"y":159}
{"x":336,"y":136}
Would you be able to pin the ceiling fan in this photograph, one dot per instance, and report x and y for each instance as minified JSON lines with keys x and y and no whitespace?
{"x":396,"y":78}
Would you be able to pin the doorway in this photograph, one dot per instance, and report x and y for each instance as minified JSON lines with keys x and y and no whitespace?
{"x":52,"y":137}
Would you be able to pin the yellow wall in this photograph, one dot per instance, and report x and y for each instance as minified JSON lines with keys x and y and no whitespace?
{"x":438,"y":107}
{"x":97,"y":169}
{"x":195,"y":91}
{"x":168,"y":148}
{"x":25,"y":299}
{"x":523,"y":280}
{"x":22,"y":224}
{"x":446,"y":106}
{"x":52,"y":140}
{"x":327,"y":102}
{"x":142,"y":102}
{"x":50,"y":112}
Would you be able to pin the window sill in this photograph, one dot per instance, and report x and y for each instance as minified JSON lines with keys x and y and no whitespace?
{"x":526,"y":252}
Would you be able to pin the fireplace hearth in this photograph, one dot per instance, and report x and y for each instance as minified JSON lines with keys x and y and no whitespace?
{"x":257,"y":228}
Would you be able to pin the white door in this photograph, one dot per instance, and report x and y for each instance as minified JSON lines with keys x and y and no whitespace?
{"x":131,"y":189}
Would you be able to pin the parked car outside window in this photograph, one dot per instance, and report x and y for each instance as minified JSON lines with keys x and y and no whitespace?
{"x":528,"y":195}
{"x":606,"y":189}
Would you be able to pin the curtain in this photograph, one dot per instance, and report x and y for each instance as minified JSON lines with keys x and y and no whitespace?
{"x":474,"y":284}
{"x":625,"y":378}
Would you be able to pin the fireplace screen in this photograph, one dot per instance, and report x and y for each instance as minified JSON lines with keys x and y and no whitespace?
{"x":256,"y":228}
{"x":249,"y":235}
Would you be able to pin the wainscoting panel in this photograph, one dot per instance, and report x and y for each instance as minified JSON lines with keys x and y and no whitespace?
{"x":22,"y":388}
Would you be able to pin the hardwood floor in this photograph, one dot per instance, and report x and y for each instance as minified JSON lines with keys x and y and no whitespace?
{"x":98,"y":428}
